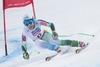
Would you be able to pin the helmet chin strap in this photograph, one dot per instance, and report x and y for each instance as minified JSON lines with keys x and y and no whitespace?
{"x":32,"y":27}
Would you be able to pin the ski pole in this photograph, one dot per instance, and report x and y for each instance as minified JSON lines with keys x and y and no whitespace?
{"x":35,"y":51}
{"x":85,"y":34}
{"x":65,"y":35}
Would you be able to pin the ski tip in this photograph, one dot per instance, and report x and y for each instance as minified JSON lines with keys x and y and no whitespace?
{"x":77,"y":51}
{"x":47,"y":58}
{"x":93,"y":35}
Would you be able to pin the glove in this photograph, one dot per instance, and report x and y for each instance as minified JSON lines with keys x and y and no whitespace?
{"x":55,"y":35}
{"x":26,"y":55}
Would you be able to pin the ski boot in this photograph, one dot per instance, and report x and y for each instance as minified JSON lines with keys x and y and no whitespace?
{"x":82,"y":44}
{"x":62,"y":50}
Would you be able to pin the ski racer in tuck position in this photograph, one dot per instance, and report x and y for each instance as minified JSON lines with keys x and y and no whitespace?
{"x":42,"y":37}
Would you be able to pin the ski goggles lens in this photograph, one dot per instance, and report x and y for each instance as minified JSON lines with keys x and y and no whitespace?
{"x":28,"y":23}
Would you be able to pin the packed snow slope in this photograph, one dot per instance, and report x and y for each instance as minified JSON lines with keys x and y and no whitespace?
{"x":70,"y":17}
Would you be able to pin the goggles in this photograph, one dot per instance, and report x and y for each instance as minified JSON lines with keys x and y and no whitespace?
{"x":28,"y":23}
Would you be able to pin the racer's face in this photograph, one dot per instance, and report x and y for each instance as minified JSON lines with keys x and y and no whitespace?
{"x":30,"y":25}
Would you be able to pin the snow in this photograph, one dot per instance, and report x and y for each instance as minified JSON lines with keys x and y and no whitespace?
{"x":69,"y":17}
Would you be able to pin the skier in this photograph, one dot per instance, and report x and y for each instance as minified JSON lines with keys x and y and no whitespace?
{"x":40,"y":36}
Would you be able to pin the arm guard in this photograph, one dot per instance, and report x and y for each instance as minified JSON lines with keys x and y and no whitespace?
{"x":52,"y":27}
{"x":24,"y":44}
{"x":45,"y":23}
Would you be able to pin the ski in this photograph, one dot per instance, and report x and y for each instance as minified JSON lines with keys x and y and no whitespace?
{"x":76,"y":51}
{"x":80,"y":49}
{"x":52,"y":56}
